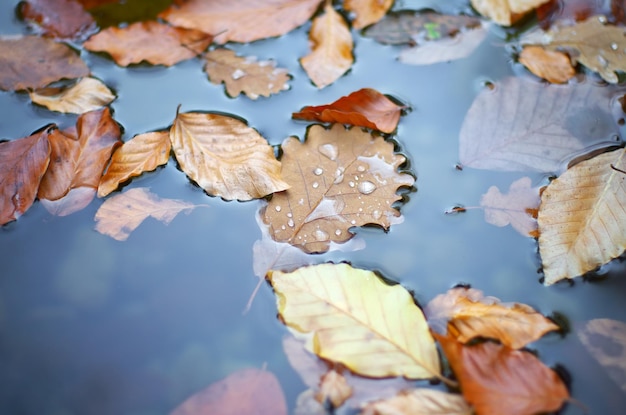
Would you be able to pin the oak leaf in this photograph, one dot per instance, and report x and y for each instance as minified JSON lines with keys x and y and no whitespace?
{"x":150,"y":41}
{"x":123,"y":213}
{"x":339,"y":179}
{"x":506,"y":12}
{"x":31,"y":62}
{"x":364,"y":108}
{"x":582,"y":220}
{"x":242,"y":20}
{"x":464,"y":313}
{"x":247,"y":391}
{"x":245,"y":74}
{"x":419,"y":402}
{"x":62,"y":19}
{"x":496,"y":379}
{"x":553,"y":66}
{"x":367,"y":11}
{"x":145,"y":152}
{"x":225,"y":156}
{"x":331,"y":48}
{"x":23,"y":163}
{"x":86,"y":95}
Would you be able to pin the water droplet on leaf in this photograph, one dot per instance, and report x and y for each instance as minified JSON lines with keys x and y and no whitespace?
{"x":366,"y":187}
{"x":329,"y":150}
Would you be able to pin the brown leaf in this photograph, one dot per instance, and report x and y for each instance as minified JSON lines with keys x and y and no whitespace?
{"x":552,"y":66}
{"x":334,"y":388}
{"x":506,"y":12}
{"x":241,"y":21}
{"x":123,"y":213}
{"x":248,"y":391}
{"x":145,"y":152}
{"x":79,"y":158}
{"x":245,"y":74}
{"x":419,"y":402}
{"x":23,"y":163}
{"x":31,"y":62}
{"x":465,"y":314}
{"x":364,"y":108}
{"x":331,"y":48}
{"x":150,"y":41}
{"x":339,"y":179}
{"x":578,"y":10}
{"x":497,"y":380}
{"x":63,"y":19}
{"x":86,"y":95}
{"x":225,"y":156}
{"x":367,"y":11}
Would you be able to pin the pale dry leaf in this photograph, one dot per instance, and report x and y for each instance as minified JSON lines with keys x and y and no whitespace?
{"x":123,"y":213}
{"x":75,"y":200}
{"x":506,"y":12}
{"x":553,"y":66}
{"x":88,"y":94}
{"x":333,"y":388}
{"x":419,"y":402}
{"x":367,"y":12}
{"x":225,"y":156}
{"x":331,"y":48}
{"x":582,"y":217}
{"x":245,"y":74}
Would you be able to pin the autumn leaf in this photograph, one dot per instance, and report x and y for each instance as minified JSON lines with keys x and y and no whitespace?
{"x":245,"y":74}
{"x":143,"y":153}
{"x":528,"y":126}
{"x":496,"y":379}
{"x":552,"y":66}
{"x":88,"y":94}
{"x":356,"y":319}
{"x":243,"y":20}
{"x":331,"y":48}
{"x":75,"y":200}
{"x":364,"y":108}
{"x":225,"y":156}
{"x":123,"y":213}
{"x":23,"y":163}
{"x":578,"y":10}
{"x":62,"y":19}
{"x":581,"y":218}
{"x":464,"y":313}
{"x":150,"y":41}
{"x":339,"y":179}
{"x":506,"y":12}
{"x":367,"y":11}
{"x":32,"y":62}
{"x":334,"y":388}
{"x":419,"y":402}
{"x":247,"y":391}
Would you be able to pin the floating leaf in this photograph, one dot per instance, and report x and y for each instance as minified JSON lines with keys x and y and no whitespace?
{"x":364,"y":108}
{"x":367,"y":11}
{"x":245,"y":74}
{"x":241,"y":21}
{"x":123,"y":213}
{"x":150,"y":41}
{"x":419,"y":402}
{"x":464,"y":313}
{"x":356,"y":319}
{"x":334,"y":388}
{"x":86,"y":95}
{"x":23,"y":163}
{"x":331,"y":48}
{"x":527,"y":126}
{"x":339,"y":178}
{"x":225,"y":156}
{"x":582,"y":220}
{"x":506,"y":12}
{"x":64,"y":19}
{"x":552,"y":66}
{"x":247,"y":391}
{"x":143,"y":153}
{"x":31,"y":62}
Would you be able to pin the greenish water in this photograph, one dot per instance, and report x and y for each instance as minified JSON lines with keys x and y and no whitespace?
{"x":89,"y":325}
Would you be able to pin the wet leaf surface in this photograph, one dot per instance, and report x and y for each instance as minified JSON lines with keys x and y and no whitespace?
{"x":420,"y":402}
{"x":62,"y":19}
{"x":88,"y":94}
{"x":367,"y":11}
{"x":506,"y":12}
{"x":578,"y":10}
{"x":552,"y":66}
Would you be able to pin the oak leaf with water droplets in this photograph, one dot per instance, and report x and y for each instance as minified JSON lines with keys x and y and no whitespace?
{"x":86,"y":95}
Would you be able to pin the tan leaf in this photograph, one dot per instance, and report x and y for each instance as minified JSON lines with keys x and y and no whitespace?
{"x":465,"y":314}
{"x":367,"y":11}
{"x":553,"y":66}
{"x":64,"y":19}
{"x":334,"y":388}
{"x":339,"y":178}
{"x":225,"y":156}
{"x":419,"y":402}
{"x":356,"y":319}
{"x":582,"y":217}
{"x":331,"y":48}
{"x":245,"y":74}
{"x":86,"y":95}
{"x":145,"y":152}
{"x":506,"y":12}
{"x":23,"y":163}
{"x":243,"y":20}
{"x":123,"y":213}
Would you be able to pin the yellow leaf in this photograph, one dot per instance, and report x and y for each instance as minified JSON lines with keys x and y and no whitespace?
{"x":331,"y":44}
{"x":420,"y":402}
{"x":225,"y":156}
{"x":367,"y":11}
{"x":582,"y":218}
{"x":356,"y":319}
{"x":506,"y":12}
{"x":86,"y":95}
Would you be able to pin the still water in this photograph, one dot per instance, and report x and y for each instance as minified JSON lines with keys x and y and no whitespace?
{"x":89,"y":325}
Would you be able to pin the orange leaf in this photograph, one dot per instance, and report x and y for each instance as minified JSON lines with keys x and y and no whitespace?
{"x":22,"y":165}
{"x":552,"y":66}
{"x":64,"y":19}
{"x":364,"y":108}
{"x":498,"y":380}
{"x":367,"y":11}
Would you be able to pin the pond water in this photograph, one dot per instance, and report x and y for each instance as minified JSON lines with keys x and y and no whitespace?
{"x":89,"y":325}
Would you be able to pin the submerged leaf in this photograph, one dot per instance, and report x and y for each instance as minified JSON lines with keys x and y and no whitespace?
{"x":367,"y":11}
{"x":86,"y":95}
{"x":419,"y":402}
{"x":553,"y":66}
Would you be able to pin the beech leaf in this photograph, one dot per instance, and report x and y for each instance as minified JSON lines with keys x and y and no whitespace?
{"x":582,"y":217}
{"x":339,"y":179}
{"x":245,"y":74}
{"x":62,"y":19}
{"x":506,"y":12}
{"x":367,"y":11}
{"x":419,"y":402}
{"x":356,"y":319}
{"x":553,"y":66}
{"x":331,"y":48}
{"x":86,"y":95}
